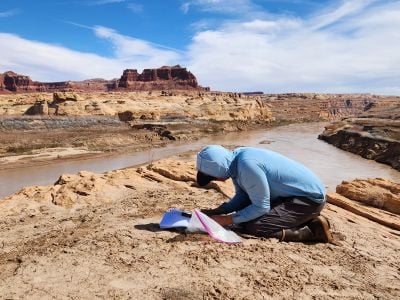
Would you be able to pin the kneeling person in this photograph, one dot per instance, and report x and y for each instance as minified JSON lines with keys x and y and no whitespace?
{"x":275,"y":196}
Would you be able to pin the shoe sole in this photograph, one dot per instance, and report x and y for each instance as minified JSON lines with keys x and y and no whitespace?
{"x":325,"y":226}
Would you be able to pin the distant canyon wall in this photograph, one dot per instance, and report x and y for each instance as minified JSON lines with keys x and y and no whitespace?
{"x":310,"y":107}
{"x":282,"y":108}
{"x":164,"y":78}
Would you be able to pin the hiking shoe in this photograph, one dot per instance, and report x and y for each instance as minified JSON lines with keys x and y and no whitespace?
{"x":320,"y":228}
{"x":303,"y":234}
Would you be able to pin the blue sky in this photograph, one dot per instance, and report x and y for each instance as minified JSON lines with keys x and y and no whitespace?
{"x":232,"y":45}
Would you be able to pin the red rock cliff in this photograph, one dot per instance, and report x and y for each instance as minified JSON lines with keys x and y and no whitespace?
{"x":164,"y":78}
{"x":15,"y":82}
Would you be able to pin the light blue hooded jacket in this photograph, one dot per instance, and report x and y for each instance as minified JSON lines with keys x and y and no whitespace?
{"x":259,"y":175}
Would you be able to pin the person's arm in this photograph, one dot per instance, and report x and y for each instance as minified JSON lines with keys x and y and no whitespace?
{"x":255,"y":184}
{"x":237,"y":202}
{"x":223,"y":220}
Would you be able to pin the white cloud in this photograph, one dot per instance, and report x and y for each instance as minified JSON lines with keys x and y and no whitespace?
{"x":236,"y":7}
{"x":46,"y":62}
{"x":360,"y":53}
{"x":136,"y":8}
{"x":185,"y":7}
{"x":347,"y":8}
{"x":9,"y":13}
{"x":103,"y":2}
{"x":350,"y":48}
{"x":137,"y":52}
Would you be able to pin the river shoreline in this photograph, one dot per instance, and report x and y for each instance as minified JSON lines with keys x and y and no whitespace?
{"x":298,"y":141}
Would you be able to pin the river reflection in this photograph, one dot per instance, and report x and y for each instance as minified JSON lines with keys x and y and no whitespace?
{"x":297,"y":141}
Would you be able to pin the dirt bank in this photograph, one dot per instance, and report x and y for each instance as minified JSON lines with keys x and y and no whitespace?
{"x":95,"y":235}
{"x":46,"y":140}
{"x":374,"y":134}
{"x":30,"y":124}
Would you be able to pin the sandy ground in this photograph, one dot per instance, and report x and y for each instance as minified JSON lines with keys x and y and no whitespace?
{"x":104,"y":242}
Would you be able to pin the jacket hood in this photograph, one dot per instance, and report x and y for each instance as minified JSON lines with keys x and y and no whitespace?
{"x":215,"y":160}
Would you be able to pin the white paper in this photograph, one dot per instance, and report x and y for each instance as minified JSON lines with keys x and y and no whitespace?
{"x":174,"y":218}
{"x":201,"y":222}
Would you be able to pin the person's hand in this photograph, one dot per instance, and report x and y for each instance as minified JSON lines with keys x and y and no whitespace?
{"x":223,"y":220}
{"x":212,"y":212}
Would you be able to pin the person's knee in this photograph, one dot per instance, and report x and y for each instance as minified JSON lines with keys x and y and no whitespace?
{"x":251,"y":228}
{"x":255,"y":229}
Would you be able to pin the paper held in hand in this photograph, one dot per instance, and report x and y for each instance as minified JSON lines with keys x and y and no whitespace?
{"x":197,"y":221}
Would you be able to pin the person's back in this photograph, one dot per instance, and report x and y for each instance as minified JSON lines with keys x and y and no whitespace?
{"x":285,"y":176}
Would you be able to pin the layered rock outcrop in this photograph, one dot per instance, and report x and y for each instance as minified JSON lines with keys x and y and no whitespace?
{"x":376,"y":199}
{"x":14,"y":82}
{"x":140,"y":107}
{"x":377,"y":192}
{"x":295,"y":107}
{"x":164,"y":78}
{"x":169,"y":78}
{"x":374,"y":134}
{"x":128,"y":121}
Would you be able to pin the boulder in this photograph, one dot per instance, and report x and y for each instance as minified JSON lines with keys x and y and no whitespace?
{"x":40,"y":107}
{"x":126,"y":116}
{"x":59,"y":97}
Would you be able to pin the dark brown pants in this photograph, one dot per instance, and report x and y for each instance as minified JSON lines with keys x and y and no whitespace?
{"x":285,"y":213}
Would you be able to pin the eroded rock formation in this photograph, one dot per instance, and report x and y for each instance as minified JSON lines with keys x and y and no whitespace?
{"x":88,"y":188}
{"x":120,"y":121}
{"x":164,"y":78}
{"x":142,"y":107}
{"x":169,"y":78}
{"x":374,"y":134}
{"x":314,"y":107}
{"x":376,"y":199}
{"x":14,"y":82}
{"x":376,"y":192}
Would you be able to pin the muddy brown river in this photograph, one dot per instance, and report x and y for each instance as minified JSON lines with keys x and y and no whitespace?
{"x":297,"y":141}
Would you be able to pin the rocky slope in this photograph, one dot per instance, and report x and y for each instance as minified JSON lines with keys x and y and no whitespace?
{"x":116,"y":122}
{"x":126,"y":121}
{"x":96,"y":235}
{"x":374,"y":134}
{"x":164,"y":78}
